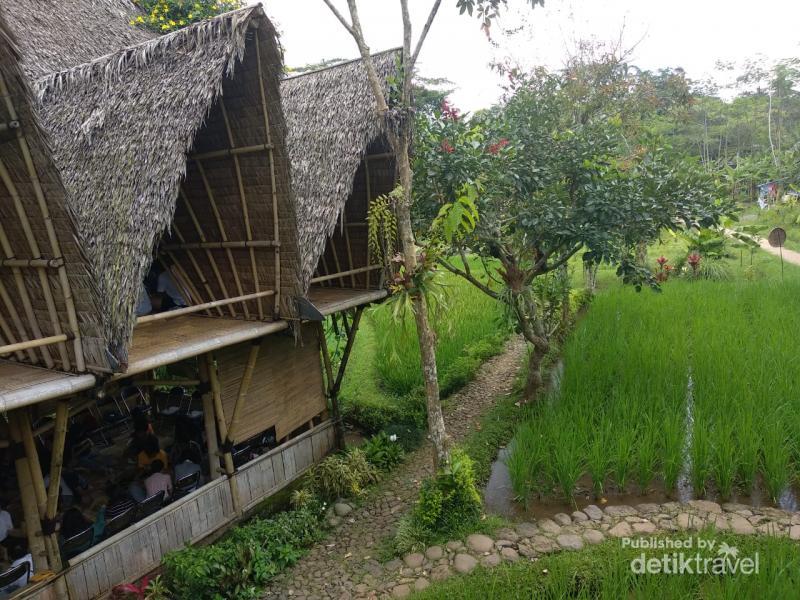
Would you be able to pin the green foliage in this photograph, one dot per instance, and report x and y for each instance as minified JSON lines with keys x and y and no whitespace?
{"x":164,"y":16}
{"x":238,"y":566}
{"x":382,"y":225}
{"x":346,"y":474}
{"x":447,"y":501}
{"x":383,"y":451}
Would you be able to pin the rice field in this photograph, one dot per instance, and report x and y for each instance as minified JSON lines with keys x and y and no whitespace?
{"x":693,"y":388}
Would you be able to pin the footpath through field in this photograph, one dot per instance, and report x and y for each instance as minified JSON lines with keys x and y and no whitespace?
{"x":789,"y":256}
{"x":345,"y":565}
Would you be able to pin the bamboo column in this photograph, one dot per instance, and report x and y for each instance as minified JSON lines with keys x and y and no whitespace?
{"x":276,"y":228}
{"x":369,"y":202}
{"x":37,"y":479}
{"x":227,"y":457}
{"x":338,"y":426}
{"x":205,"y":366}
{"x":244,"y":386}
{"x":36,"y":542}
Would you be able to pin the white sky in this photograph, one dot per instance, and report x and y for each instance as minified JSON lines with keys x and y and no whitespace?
{"x":692,"y":34}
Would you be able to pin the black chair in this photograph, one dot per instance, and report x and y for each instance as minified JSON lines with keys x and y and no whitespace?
{"x":150,"y":505}
{"x":120,"y":522}
{"x":240,"y":456}
{"x":186,"y":484}
{"x":11,"y":576}
{"x":80,"y":542}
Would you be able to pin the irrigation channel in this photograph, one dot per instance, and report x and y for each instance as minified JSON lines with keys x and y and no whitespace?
{"x":499,"y":497}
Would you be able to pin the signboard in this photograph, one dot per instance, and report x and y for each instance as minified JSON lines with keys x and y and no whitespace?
{"x":777,"y":237}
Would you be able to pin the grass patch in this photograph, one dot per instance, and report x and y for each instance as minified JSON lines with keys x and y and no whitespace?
{"x":604,"y":572}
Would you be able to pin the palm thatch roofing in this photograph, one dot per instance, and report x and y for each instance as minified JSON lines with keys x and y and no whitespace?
{"x":38,"y":188}
{"x":58,"y":34}
{"x":331,"y":121}
{"x":122,"y":126}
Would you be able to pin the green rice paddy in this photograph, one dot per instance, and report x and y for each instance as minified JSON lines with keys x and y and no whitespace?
{"x":699,"y":381}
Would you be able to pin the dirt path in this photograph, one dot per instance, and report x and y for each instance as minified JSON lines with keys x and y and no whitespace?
{"x":790,"y":256}
{"x":344,"y":565}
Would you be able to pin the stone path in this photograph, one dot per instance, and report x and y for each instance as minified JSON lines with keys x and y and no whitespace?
{"x":529,"y":541}
{"x":345,"y":564}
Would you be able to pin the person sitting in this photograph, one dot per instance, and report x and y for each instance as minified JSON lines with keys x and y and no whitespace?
{"x":171,"y":297}
{"x":143,"y":304}
{"x":157,"y":481}
{"x":9,"y":535}
{"x":118,"y":501}
{"x":19,"y":555}
{"x":141,"y":429}
{"x":151,"y":451}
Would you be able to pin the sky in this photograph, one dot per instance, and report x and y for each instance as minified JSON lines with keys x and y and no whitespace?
{"x":692,"y":34}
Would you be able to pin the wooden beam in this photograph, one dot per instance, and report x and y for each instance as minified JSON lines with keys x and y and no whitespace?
{"x":227,"y":152}
{"x":351,"y":338}
{"x":344,"y":273}
{"x":275,"y":226}
{"x":219,"y":413}
{"x":37,"y":343}
{"x":223,"y":234}
{"x":245,"y":211}
{"x":222,"y":245}
{"x":209,"y":256}
{"x":369,"y":202}
{"x":334,"y":398}
{"x":205,"y":365}
{"x":171,"y":314}
{"x":32,"y":263}
{"x":244,"y":387}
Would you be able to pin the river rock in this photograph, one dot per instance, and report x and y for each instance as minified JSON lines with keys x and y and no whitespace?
{"x":342,"y":509}
{"x":464,"y":563}
{"x":549,"y":526}
{"x":401,"y":591}
{"x":621,"y":510}
{"x":741,"y":525}
{"x":644,"y":527}
{"x":434,"y":553}
{"x":593,"y":536}
{"x":441,"y":573}
{"x":542,"y":545}
{"x":509,"y":554}
{"x":480,"y":543}
{"x":420,"y":584}
{"x":705,"y":506}
{"x":527,"y":529}
{"x":593,"y":512}
{"x":794,"y":532}
{"x":492,"y":560}
{"x":579,"y":517}
{"x":414,"y":560}
{"x":506,"y":533}
{"x":570,"y":541}
{"x":648,"y":508}
{"x":562,"y":519}
{"x":621,"y":530}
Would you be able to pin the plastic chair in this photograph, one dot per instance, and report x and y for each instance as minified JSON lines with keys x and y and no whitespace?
{"x":186,"y":484}
{"x":80,"y":542}
{"x":150,"y":505}
{"x":11,"y":576}
{"x":120,"y":522}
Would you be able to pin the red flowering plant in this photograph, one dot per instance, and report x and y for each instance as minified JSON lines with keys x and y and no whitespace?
{"x":662,"y":274}
{"x":694,"y":262}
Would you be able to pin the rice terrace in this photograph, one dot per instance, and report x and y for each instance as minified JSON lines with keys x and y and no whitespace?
{"x":432,"y":299}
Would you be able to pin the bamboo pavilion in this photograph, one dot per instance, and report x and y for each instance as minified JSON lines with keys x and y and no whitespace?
{"x":190,"y":152}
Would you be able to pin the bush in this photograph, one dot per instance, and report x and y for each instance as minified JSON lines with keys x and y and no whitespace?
{"x":238,"y":566}
{"x":383,"y":451}
{"x":342,"y":475}
{"x":448,"y":502}
{"x":164,"y":16}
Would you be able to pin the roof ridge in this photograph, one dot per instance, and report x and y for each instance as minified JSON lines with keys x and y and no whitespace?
{"x":111,"y":65}
{"x":343,"y":63}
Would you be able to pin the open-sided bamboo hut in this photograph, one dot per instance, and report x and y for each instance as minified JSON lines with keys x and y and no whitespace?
{"x":174,"y":150}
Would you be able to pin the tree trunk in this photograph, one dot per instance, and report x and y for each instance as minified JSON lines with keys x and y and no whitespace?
{"x":534,"y":381}
{"x":427,"y":337}
{"x":641,"y":253}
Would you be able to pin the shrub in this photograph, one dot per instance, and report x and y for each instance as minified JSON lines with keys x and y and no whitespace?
{"x":342,"y":475}
{"x":239,"y":565}
{"x":164,"y":16}
{"x":447,"y":502}
{"x":383,"y":451}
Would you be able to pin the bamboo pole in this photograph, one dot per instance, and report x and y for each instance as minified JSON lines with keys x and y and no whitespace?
{"x":227,"y":457}
{"x":37,"y":343}
{"x":323,"y":278}
{"x":57,"y":458}
{"x":251,"y":244}
{"x":275,"y":225}
{"x":334,"y":398}
{"x":33,"y":245}
{"x":26,"y":301}
{"x":332,"y":242}
{"x":167,"y":382}
{"x":209,"y":255}
{"x":33,"y":263}
{"x":349,"y":251}
{"x":231,"y":152}
{"x":37,"y":479}
{"x":223,"y":235}
{"x":204,"y":368}
{"x":245,"y":211}
{"x":8,"y":336}
{"x":345,"y":273}
{"x":369,"y":202}
{"x":244,"y":387}
{"x":190,"y":293}
{"x":351,"y":338}
{"x":200,"y":275}
{"x":15,"y":318}
{"x":200,"y":307}
{"x":55,"y":246}
{"x":36,"y":543}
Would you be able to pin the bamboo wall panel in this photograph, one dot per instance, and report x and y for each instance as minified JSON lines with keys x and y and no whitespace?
{"x":139,"y":550}
{"x":286,"y":390}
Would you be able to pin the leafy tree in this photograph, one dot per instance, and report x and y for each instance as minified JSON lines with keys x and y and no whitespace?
{"x":555,"y":174}
{"x":399,"y":119}
{"x":164,"y":16}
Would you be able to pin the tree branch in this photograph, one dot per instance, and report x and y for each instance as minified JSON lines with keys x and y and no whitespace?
{"x":424,"y":34}
{"x":478,"y":284}
{"x":561,"y":261}
{"x":339,"y":16}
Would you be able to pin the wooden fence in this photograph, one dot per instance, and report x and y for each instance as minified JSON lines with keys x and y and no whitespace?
{"x":139,"y":549}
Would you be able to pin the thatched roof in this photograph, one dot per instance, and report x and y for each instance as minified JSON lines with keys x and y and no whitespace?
{"x":59,"y":34}
{"x":122,"y":126}
{"x":38,"y":187}
{"x":331,"y":121}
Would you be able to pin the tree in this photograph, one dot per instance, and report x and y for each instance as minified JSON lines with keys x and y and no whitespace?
{"x":164,"y":16}
{"x":399,"y":118}
{"x":556,"y":174}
